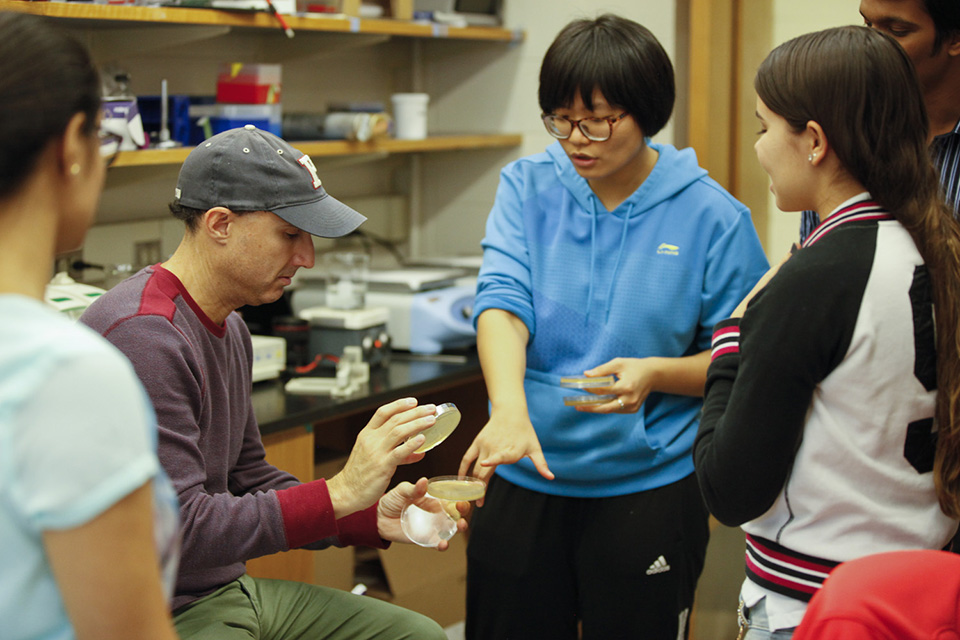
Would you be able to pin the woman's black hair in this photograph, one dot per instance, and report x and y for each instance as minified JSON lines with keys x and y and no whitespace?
{"x":46,"y":77}
{"x":621,"y":58}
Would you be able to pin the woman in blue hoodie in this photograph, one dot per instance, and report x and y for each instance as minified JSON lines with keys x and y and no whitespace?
{"x":606,"y":255}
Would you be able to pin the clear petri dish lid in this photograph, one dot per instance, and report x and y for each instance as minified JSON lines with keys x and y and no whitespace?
{"x":587,"y":383}
{"x":457,"y":488}
{"x":448,"y":417}
{"x":427,"y":527}
{"x":587,"y":399}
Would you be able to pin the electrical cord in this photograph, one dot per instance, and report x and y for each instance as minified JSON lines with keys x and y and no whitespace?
{"x":320,"y":357}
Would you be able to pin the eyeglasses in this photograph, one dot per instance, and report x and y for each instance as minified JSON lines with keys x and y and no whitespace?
{"x":109,"y":146}
{"x":596,"y":129}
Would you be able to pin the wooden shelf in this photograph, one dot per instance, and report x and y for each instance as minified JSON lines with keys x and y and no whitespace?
{"x":334,"y":148}
{"x":263,"y":20}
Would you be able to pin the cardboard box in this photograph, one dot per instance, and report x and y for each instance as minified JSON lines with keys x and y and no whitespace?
{"x":333,"y":567}
{"x":396,"y":9}
{"x":401,"y":9}
{"x":425,"y":580}
{"x":350,"y":7}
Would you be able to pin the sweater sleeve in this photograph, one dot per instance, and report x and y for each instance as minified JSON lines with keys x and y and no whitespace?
{"x":505,"y":281}
{"x":308,"y":519}
{"x":761,"y":381}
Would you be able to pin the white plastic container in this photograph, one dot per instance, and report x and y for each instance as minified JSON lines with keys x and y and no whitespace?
{"x":410,"y":115}
{"x":355,"y":126}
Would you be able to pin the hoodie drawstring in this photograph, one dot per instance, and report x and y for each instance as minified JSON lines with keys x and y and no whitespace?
{"x":616,"y":266}
{"x":593,"y":259}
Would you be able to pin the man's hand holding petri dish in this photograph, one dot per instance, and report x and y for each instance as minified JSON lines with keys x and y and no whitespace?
{"x":437,"y":515}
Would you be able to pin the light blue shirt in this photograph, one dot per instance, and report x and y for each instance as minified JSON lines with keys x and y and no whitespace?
{"x":77,"y":434}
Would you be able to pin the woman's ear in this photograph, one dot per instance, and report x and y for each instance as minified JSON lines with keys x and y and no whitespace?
{"x":816,"y":140}
{"x":74,"y":148}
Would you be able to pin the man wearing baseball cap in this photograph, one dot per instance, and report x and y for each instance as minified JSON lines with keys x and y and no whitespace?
{"x":250,"y":204}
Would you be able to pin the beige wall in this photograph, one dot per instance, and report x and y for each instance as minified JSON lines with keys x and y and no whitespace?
{"x":791,"y":19}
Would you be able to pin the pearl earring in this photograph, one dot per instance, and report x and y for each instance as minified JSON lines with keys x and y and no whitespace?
{"x":75,"y":169}
{"x":811,"y":157}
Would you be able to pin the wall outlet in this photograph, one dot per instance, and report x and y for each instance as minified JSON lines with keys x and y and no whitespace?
{"x":146,"y":253}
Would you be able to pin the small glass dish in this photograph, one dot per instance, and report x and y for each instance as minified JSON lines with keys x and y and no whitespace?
{"x":587,"y":399}
{"x":598,"y":382}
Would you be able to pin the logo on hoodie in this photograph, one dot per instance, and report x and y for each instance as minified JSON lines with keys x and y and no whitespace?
{"x":668,"y":249}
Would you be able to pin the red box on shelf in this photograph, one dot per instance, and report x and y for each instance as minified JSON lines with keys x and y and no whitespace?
{"x":240,"y":83}
{"x":238,"y":93}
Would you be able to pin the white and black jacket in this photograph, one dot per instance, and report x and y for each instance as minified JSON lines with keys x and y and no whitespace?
{"x":817,"y":433}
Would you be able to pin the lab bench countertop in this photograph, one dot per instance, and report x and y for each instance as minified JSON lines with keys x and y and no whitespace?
{"x":405,"y":375}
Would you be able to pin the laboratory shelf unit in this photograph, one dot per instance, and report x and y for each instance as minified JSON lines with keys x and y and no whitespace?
{"x":260,"y":19}
{"x":429,"y":196}
{"x":144,"y":26}
{"x":333,"y":148}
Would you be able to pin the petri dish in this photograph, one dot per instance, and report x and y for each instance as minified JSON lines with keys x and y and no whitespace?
{"x":427,"y":527}
{"x":448,"y":417}
{"x":456,"y":488}
{"x":437,"y":519}
{"x":587,"y":399}
{"x":587,"y":383}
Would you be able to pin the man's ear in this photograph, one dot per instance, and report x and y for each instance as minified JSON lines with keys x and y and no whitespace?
{"x":217,"y":223}
{"x":953,"y":44}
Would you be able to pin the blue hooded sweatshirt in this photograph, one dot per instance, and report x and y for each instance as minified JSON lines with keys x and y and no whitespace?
{"x":650,"y":278}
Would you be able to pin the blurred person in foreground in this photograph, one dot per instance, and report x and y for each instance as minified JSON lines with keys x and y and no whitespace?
{"x":898,"y":595}
{"x":88,"y":519}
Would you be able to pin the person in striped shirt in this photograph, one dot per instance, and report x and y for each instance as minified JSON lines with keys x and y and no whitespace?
{"x":831,"y":426}
{"x":929,"y":31}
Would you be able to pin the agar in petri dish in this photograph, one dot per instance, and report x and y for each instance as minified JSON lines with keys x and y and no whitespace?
{"x":448,"y":417}
{"x":458,"y":488}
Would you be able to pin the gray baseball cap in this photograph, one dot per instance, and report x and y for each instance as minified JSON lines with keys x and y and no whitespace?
{"x":247,"y":169}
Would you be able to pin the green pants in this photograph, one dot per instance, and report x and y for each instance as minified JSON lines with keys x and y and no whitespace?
{"x":255,"y":608}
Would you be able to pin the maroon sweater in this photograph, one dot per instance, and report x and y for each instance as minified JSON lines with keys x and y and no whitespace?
{"x":234,"y":506}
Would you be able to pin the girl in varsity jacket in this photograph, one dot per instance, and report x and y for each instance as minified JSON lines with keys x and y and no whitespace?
{"x":829,"y":427}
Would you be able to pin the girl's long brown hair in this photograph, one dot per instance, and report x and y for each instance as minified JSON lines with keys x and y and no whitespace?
{"x":860,"y":86}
